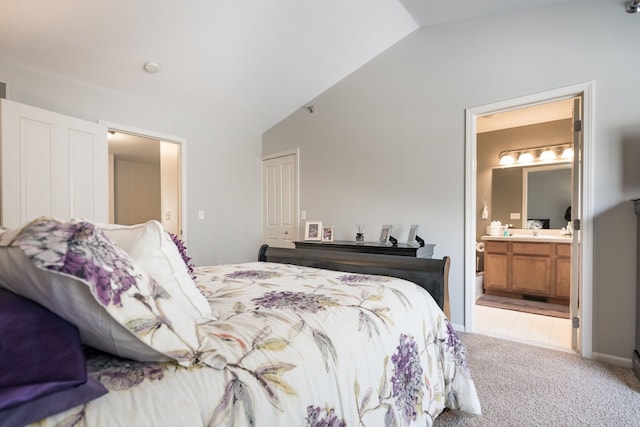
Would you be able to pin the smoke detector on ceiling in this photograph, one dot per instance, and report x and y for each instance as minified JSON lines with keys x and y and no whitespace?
{"x":151,"y":67}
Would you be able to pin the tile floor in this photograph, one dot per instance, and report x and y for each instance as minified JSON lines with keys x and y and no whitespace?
{"x":534,"y":329}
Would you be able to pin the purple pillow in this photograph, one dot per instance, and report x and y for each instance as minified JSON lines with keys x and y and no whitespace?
{"x":40,"y":353}
{"x":50,"y":404}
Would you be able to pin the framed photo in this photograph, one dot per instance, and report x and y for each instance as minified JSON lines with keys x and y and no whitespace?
{"x":327,"y":233}
{"x":313,"y":230}
{"x":413,"y":232}
{"x":385,"y":233}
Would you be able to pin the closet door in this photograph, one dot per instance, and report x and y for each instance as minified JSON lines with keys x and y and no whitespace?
{"x":280,"y":203}
{"x":52,"y":165}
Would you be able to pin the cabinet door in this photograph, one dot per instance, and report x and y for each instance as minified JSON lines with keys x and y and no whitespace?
{"x":531,"y":274}
{"x":563,"y":277}
{"x":52,"y":165}
{"x":495,"y":271}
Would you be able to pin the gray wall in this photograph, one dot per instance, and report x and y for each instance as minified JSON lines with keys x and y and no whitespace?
{"x":223,"y":165}
{"x":386,"y":144}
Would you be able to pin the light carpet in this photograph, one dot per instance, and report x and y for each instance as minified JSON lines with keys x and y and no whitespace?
{"x":524,"y":385}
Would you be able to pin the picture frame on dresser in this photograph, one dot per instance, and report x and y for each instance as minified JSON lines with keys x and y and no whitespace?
{"x":385,"y":233}
{"x":327,"y":233}
{"x":313,"y":230}
{"x":413,"y":232}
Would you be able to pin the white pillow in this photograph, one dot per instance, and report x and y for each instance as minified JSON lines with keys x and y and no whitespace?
{"x":150,"y":245}
{"x":71,"y":300}
{"x":122,"y":311}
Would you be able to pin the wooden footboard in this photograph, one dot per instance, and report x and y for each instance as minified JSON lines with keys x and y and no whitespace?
{"x":430,"y":274}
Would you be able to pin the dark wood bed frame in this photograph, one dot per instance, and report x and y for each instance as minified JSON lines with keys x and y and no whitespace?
{"x":430,"y":274}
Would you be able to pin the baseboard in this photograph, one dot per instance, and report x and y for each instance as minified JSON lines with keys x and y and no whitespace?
{"x":613,"y":360}
{"x":458,"y":328}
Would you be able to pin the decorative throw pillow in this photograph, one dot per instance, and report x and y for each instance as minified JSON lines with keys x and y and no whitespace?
{"x":51,"y":404}
{"x":151,"y":246}
{"x":43,"y":367}
{"x":74,"y":270}
{"x":40,"y":353}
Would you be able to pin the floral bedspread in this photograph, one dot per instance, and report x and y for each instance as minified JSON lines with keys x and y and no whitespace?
{"x":303,"y":347}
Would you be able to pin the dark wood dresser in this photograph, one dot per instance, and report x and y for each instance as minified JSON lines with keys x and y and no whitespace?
{"x":401,"y":249}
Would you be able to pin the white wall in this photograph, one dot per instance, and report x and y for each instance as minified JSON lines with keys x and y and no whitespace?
{"x":386,"y":144}
{"x":223,"y":165}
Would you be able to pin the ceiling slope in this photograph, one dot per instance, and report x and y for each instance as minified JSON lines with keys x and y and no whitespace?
{"x":243,"y":63}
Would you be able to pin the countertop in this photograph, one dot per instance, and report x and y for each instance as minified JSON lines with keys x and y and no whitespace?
{"x":542,"y":238}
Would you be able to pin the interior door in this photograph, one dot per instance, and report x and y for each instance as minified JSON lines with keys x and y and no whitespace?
{"x":280,"y":189}
{"x":52,"y":165}
{"x":576,"y":215}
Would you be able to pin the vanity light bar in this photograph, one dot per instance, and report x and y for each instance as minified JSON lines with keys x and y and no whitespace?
{"x":553,"y":153}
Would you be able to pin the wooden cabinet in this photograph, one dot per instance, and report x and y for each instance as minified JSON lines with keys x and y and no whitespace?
{"x":528,"y":269}
{"x":496,"y":266}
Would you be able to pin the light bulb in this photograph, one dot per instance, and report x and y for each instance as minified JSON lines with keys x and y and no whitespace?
{"x":547,"y":155}
{"x":525,"y":157}
{"x":506,"y":159}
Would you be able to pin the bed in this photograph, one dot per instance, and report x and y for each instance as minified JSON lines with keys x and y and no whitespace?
{"x":299,"y":337}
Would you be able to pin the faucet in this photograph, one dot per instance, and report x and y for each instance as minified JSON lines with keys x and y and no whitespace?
{"x":534,"y":229}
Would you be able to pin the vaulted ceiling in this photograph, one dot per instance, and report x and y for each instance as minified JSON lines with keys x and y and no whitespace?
{"x":245,"y":63}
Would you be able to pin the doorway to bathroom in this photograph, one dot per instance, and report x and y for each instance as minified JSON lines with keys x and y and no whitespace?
{"x":550,"y":121}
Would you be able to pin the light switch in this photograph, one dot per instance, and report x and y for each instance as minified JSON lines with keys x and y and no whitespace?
{"x":200,"y":214}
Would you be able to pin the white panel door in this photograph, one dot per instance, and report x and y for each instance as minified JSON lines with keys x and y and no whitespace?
{"x":52,"y":165}
{"x":280,"y":189}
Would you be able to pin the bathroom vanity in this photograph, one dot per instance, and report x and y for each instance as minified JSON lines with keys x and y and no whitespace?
{"x":527,"y":266}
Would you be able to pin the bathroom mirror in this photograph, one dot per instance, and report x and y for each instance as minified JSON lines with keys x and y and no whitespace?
{"x":537,"y":192}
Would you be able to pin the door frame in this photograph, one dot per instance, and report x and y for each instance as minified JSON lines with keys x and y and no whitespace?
{"x":182,"y":143}
{"x":586,"y":91}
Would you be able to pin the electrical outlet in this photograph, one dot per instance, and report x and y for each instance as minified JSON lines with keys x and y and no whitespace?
{"x":514,"y":215}
{"x":303,"y":214}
